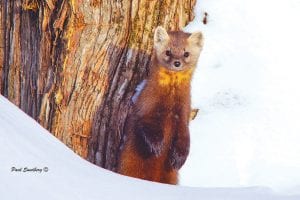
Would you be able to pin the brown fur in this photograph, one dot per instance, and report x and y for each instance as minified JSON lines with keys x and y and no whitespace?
{"x":157,"y":135}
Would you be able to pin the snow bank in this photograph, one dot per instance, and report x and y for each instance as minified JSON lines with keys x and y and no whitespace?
{"x":246,"y":86}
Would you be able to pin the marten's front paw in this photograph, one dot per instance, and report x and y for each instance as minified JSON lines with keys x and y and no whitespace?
{"x":149,"y":139}
{"x":178,"y":157}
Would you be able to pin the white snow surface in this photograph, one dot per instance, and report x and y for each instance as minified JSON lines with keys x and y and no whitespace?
{"x":247,"y":89}
{"x":25,"y":144}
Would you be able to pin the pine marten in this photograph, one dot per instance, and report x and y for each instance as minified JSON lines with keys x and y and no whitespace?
{"x":157,"y":139}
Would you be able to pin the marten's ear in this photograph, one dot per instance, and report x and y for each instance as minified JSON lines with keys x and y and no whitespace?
{"x":196,"y":39}
{"x":160,"y":36}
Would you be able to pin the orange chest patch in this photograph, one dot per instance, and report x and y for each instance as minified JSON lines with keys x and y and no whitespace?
{"x":172,"y":78}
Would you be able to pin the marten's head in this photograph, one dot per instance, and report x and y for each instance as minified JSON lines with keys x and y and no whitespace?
{"x":177,"y":50}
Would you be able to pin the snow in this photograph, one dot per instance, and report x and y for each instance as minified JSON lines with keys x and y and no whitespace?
{"x":246,"y":86}
{"x":60,"y":174}
{"x":138,"y":90}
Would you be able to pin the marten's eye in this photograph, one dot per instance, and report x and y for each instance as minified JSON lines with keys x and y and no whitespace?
{"x":168,"y":53}
{"x":186,"y":54}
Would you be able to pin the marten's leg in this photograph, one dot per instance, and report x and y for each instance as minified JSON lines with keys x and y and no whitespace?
{"x":180,"y":146}
{"x":135,"y":166}
{"x":131,"y":165}
{"x":170,"y":177}
{"x":149,"y":136}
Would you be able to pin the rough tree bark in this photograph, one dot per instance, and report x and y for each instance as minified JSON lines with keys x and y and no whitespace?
{"x":73,"y":65}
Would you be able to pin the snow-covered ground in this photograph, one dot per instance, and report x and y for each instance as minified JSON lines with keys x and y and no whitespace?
{"x":57,"y":173}
{"x":246,"y":86}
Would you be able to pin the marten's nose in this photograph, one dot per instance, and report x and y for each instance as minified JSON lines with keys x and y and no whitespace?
{"x":177,"y":64}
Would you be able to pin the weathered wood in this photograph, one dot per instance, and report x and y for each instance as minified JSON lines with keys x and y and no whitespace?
{"x":73,"y":65}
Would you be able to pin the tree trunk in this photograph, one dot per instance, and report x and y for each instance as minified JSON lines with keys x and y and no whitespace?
{"x":73,"y":65}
